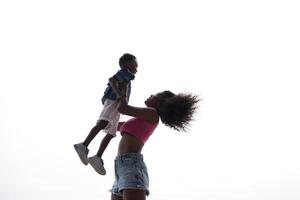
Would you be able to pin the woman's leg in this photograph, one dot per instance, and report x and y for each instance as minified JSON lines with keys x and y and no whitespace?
{"x":116,"y":197}
{"x":136,"y":194}
{"x":95,"y":130}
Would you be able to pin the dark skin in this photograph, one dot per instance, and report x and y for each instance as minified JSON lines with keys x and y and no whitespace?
{"x":130,"y":144}
{"x":95,"y":130}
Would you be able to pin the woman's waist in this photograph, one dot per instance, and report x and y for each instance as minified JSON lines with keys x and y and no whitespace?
{"x":130,"y":156}
{"x":140,"y":136}
{"x":129,"y":144}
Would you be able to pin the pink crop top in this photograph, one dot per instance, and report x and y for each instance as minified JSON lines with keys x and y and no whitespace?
{"x":139,"y":128}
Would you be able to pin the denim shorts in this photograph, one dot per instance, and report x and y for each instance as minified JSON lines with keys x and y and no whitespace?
{"x":130,"y":173}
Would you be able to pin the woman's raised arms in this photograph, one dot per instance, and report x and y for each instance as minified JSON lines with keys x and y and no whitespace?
{"x":147,"y":113}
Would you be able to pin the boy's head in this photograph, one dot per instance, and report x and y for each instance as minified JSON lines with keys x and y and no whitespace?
{"x":128,"y":61}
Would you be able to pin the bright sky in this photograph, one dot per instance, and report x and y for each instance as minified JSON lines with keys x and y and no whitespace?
{"x":241,"y":57}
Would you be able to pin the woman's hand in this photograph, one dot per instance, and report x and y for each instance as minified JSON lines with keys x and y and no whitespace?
{"x":123,"y":100}
{"x":123,"y":103}
{"x":123,"y":88}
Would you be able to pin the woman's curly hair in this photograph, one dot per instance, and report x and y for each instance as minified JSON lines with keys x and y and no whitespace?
{"x":176,"y":111}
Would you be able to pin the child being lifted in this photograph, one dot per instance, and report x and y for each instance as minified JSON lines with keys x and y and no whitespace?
{"x":109,"y":117}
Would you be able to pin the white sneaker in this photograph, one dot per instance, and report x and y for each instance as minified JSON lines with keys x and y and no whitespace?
{"x":97,"y":163}
{"x":82,"y":152}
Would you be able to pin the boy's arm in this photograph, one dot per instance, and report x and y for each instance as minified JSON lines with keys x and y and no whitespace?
{"x":113,"y":81}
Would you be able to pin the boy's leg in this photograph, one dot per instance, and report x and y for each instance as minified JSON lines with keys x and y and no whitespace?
{"x":105,"y":141}
{"x":96,"y":161}
{"x":95,"y":130}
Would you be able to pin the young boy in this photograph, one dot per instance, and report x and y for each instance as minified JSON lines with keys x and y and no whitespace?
{"x":109,"y":117}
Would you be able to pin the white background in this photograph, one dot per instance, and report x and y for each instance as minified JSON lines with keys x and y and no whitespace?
{"x":241,"y":57}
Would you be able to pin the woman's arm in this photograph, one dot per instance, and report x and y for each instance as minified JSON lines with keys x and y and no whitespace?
{"x":113,"y":81}
{"x":146,"y":113}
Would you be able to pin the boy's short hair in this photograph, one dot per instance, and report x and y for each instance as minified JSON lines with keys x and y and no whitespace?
{"x":125,"y":59}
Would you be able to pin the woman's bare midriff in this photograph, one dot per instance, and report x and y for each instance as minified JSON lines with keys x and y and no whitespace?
{"x":129,"y":144}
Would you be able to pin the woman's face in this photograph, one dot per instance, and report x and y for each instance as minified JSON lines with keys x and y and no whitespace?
{"x":153,"y":101}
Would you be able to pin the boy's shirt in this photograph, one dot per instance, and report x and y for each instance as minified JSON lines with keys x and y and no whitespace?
{"x":122,"y":75}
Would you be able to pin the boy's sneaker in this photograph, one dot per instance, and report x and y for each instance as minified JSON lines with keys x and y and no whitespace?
{"x":98,"y":164}
{"x":82,"y":152}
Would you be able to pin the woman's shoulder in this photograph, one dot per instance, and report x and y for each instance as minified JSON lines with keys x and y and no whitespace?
{"x":153,"y":116}
{"x":147,"y":114}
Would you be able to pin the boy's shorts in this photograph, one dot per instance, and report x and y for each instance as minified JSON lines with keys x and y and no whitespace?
{"x":111,"y":114}
{"x":130,"y":173}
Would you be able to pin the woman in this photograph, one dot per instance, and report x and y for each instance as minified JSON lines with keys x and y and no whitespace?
{"x":175,"y":111}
